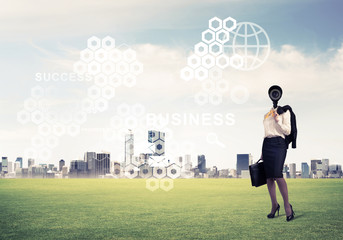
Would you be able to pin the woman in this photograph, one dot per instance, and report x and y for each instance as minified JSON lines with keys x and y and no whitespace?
{"x":274,"y":151}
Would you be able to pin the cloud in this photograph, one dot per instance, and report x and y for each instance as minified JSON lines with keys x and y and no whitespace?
{"x":39,"y":19}
{"x":312,"y":86}
{"x":303,"y":77}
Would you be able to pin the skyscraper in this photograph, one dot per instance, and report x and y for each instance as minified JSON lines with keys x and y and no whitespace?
{"x":78,"y":168}
{"x":50,"y":166}
{"x":157,"y":139}
{"x":89,"y":158}
{"x":314,"y":166}
{"x":285,"y":171}
{"x":187,"y":165}
{"x":20,"y":160}
{"x":4,"y":165}
{"x":202,"y":163}
{"x":103,"y":165}
{"x":61,"y":164}
{"x":64,"y":171}
{"x":30,"y":162}
{"x":292,"y":170}
{"x":305,"y":173}
{"x":325,"y":163}
{"x":10,"y":167}
{"x":129,"y":148}
{"x":242,"y":162}
{"x":16,"y":166}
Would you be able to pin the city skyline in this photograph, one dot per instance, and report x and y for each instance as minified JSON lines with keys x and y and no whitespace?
{"x":154,"y":148}
{"x":155,"y":162}
{"x":318,"y":168}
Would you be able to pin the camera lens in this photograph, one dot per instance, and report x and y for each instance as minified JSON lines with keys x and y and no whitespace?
{"x":275,"y":94}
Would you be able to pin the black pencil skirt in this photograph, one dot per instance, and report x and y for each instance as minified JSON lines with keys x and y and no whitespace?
{"x":274,"y":152}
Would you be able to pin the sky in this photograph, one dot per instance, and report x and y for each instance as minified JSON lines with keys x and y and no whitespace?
{"x":306,"y":60}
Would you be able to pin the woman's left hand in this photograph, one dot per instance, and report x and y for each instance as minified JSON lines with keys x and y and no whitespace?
{"x":276,"y":116}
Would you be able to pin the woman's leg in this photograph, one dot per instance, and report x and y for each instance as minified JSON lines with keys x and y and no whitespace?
{"x":281,"y":182}
{"x":272,"y":193}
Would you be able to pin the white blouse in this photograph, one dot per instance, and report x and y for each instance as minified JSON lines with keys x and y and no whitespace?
{"x":281,"y":128}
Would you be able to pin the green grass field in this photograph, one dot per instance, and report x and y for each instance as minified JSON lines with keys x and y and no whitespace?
{"x":193,"y":209}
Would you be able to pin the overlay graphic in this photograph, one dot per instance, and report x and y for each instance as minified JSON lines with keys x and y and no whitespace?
{"x":242,"y":46}
{"x":106,"y":67}
{"x":103,"y":64}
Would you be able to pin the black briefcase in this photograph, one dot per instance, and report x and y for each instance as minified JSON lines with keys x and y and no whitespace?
{"x":257,"y":174}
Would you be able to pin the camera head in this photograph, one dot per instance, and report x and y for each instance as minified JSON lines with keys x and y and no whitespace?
{"x":275,"y":93}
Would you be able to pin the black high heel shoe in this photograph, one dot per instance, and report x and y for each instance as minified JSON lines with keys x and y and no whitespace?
{"x":272,"y":215}
{"x":290,"y":217}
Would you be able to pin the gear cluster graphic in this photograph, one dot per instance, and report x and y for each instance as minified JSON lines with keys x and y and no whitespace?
{"x":210,"y":51}
{"x":207,"y":62}
{"x":110,"y":66}
{"x":156,"y":168}
{"x":224,"y":44}
{"x":158,"y":165}
{"x":165,"y":184}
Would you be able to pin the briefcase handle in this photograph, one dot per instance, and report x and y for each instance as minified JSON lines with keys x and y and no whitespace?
{"x":259,"y":160}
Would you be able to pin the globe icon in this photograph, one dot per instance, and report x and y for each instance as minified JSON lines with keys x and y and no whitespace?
{"x":249,"y":46}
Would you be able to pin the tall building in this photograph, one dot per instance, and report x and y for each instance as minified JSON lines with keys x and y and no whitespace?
{"x":319,"y":171}
{"x":61,"y":164}
{"x":10,"y":167}
{"x":90,"y":158}
{"x":292,"y":170}
{"x":243,"y":161}
{"x":64,"y":171}
{"x":20,"y":160}
{"x":325,"y":163}
{"x":30,"y":162}
{"x":335,"y":171}
{"x":157,"y":139}
{"x":51,"y":166}
{"x":285,"y":171}
{"x":179,"y":161}
{"x":213,"y":172}
{"x":202,"y":163}
{"x":103,"y":165}
{"x":4,"y":165}
{"x":314,"y":163}
{"x":16,"y":166}
{"x":78,"y":168}
{"x":187,"y":164}
{"x":305,"y":170}
{"x":129,"y":148}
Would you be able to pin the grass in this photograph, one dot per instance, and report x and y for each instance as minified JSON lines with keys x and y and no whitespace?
{"x":193,"y":209}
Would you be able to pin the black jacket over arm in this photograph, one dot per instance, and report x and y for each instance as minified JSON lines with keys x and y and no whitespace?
{"x":294,"y":131}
